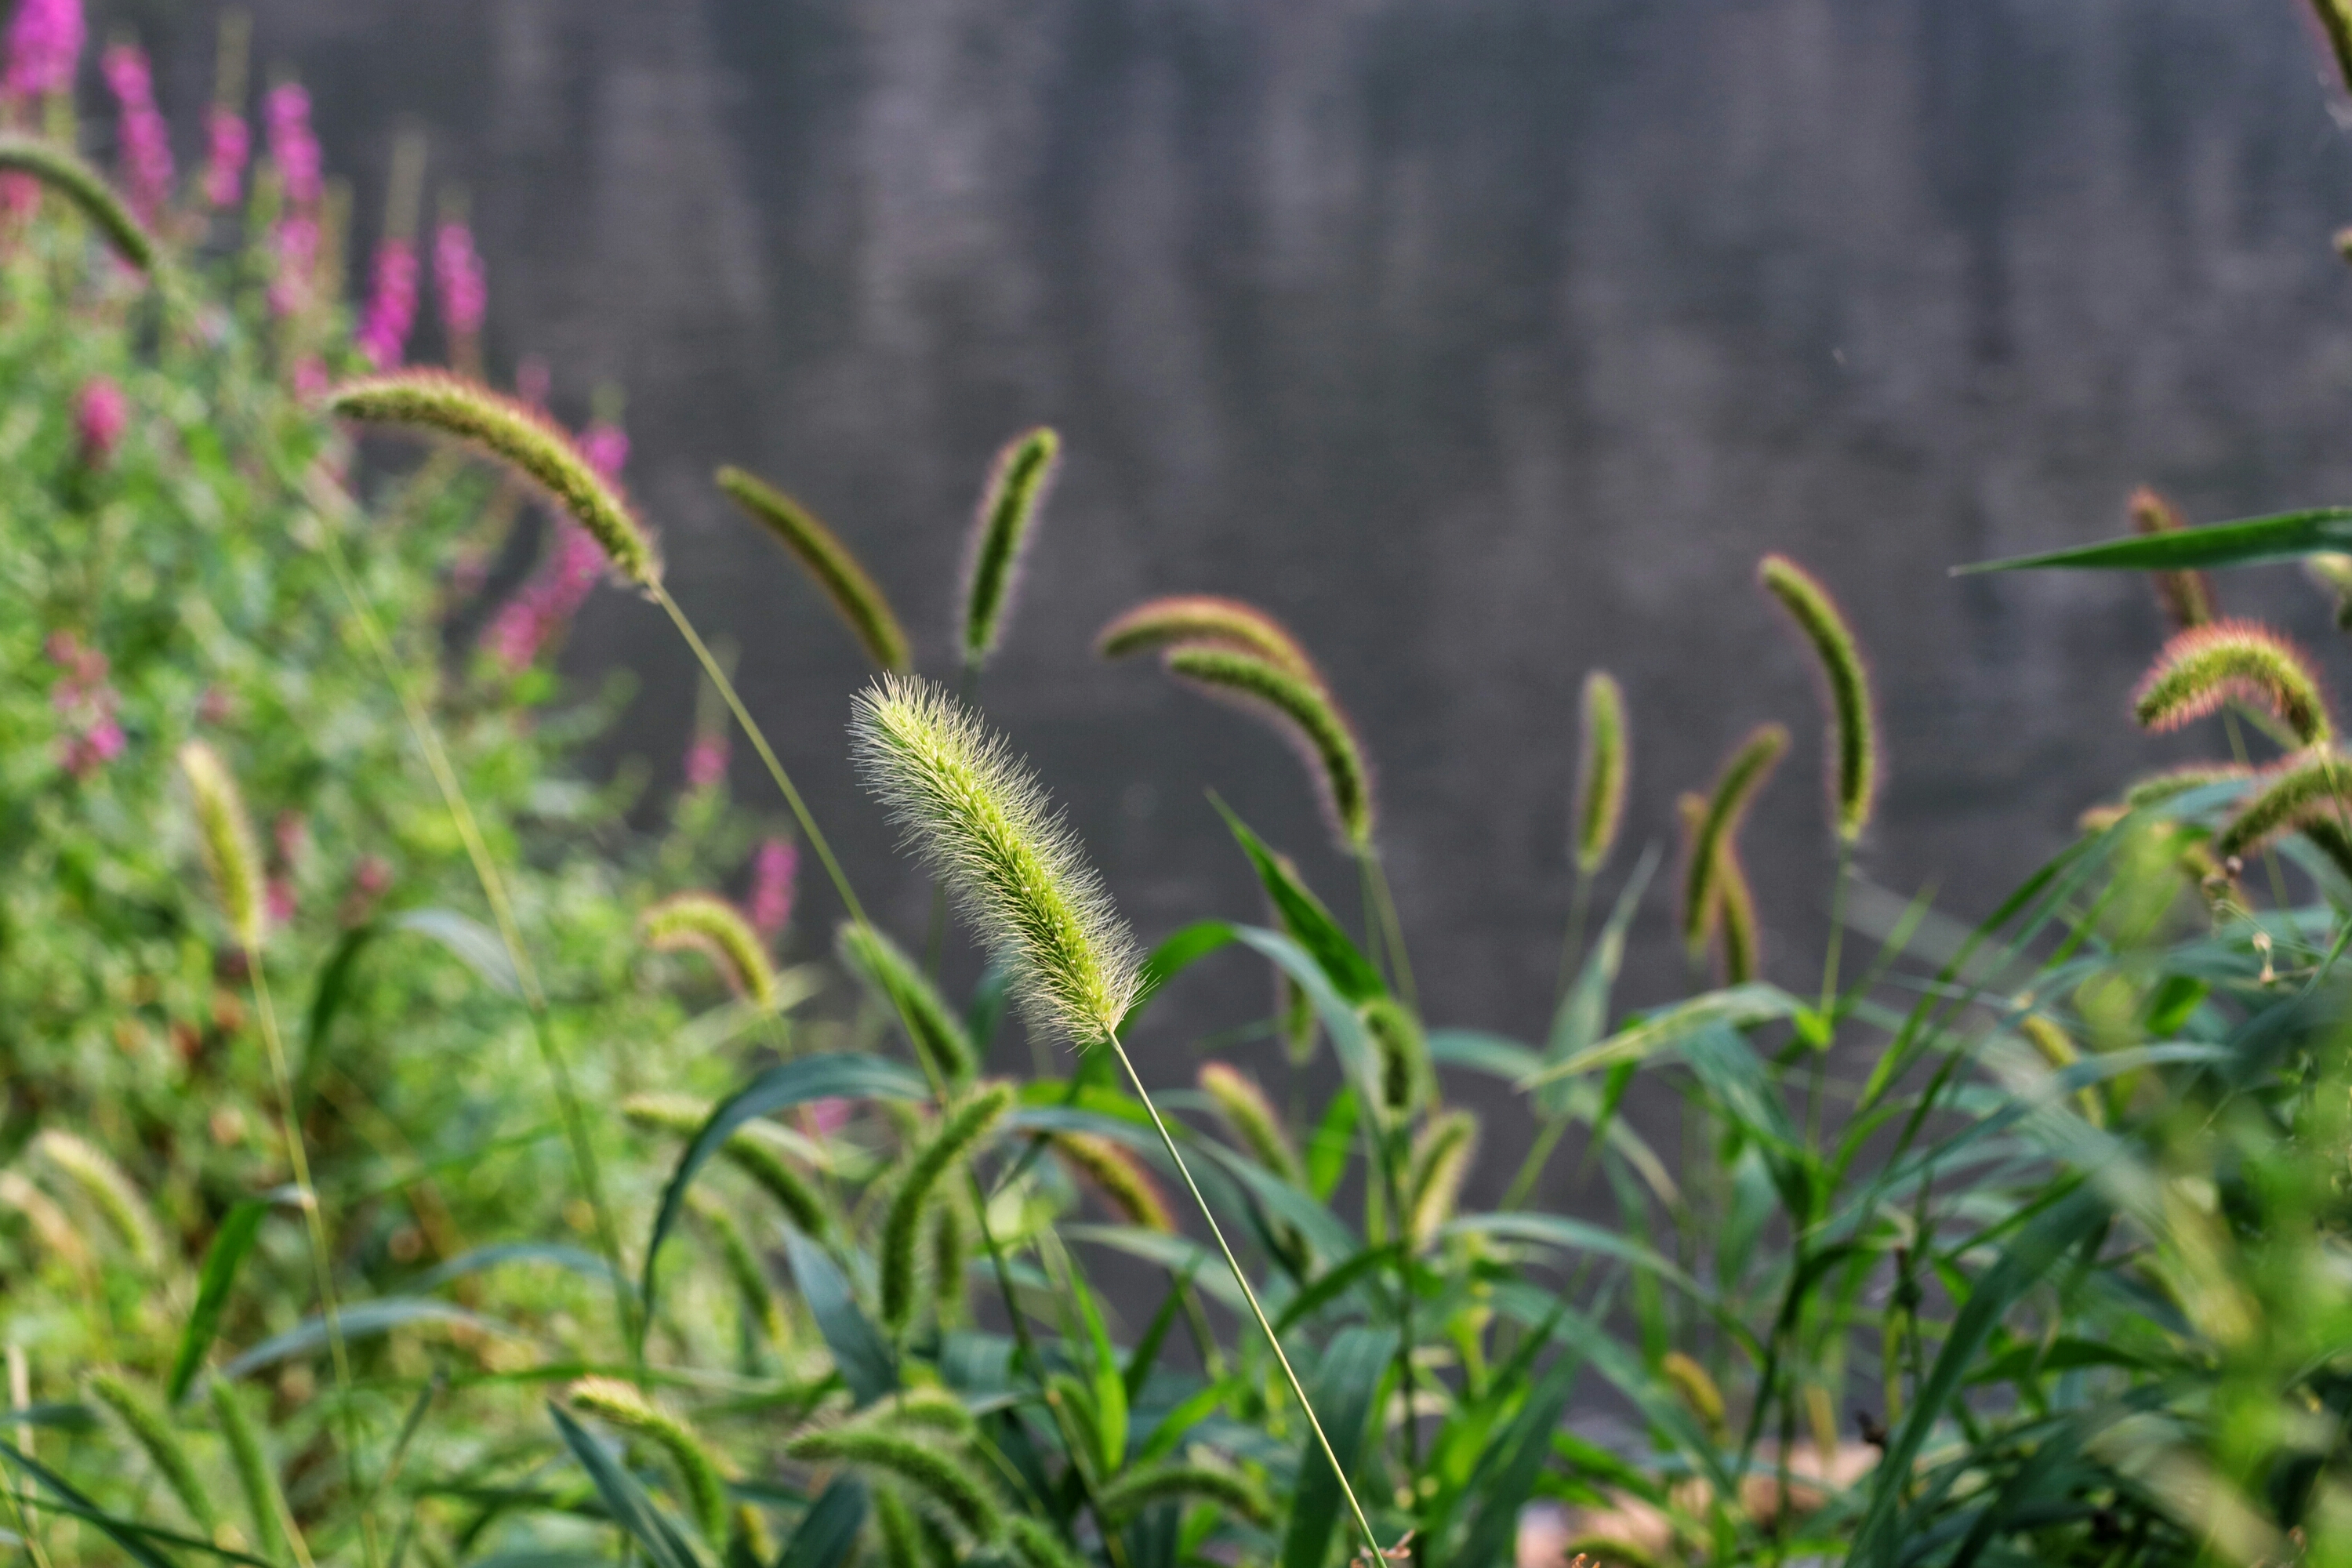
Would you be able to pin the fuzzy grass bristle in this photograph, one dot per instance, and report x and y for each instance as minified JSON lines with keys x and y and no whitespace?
{"x":1166,"y":1480}
{"x":745,"y":1148}
{"x":60,"y":170}
{"x":830,"y":564}
{"x":107,"y":1188}
{"x":224,"y":834}
{"x":1855,"y":762}
{"x":2154,"y":789}
{"x":1180,"y":619}
{"x":257,"y":1478}
{"x":979,"y":816}
{"x":1734,"y":788}
{"x":2185,"y":597}
{"x":1304,"y":712}
{"x":941,"y":1479}
{"x":525,"y":438}
{"x":703,"y":924}
{"x":1016,"y":493}
{"x":2200,"y":669}
{"x":152,"y":1430}
{"x":1603,"y":765}
{"x":1440,"y":1163}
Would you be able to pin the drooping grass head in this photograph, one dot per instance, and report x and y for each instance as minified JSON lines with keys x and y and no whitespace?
{"x":1853,"y":724}
{"x":1303,"y":712}
{"x":828,"y":563}
{"x":526,"y":440}
{"x":2200,"y":669}
{"x":1744,"y":773}
{"x":57,"y":166}
{"x":2185,"y":597}
{"x":225,"y":833}
{"x":1017,"y":482}
{"x":978,"y":815}
{"x":1602,"y":766}
{"x":1183,"y":619}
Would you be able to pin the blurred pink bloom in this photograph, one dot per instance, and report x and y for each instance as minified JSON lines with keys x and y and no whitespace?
{"x":823,"y":1118}
{"x":146,"y":140}
{"x":290,"y":835}
{"x":312,"y":380}
{"x":370,"y":877}
{"x":100,"y":414}
{"x":772,"y":871}
{"x":293,"y":147}
{"x":44,"y":43}
{"x":297,"y":264}
{"x":86,"y":704}
{"x":550,"y":599}
{"x":216,"y":706}
{"x":457,"y":280}
{"x":392,"y":305}
{"x":228,"y":144}
{"x":706,"y":761}
{"x":606,"y":448}
{"x":278,"y":897}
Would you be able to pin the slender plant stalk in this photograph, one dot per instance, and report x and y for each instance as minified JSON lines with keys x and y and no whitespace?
{"x":454,"y":800}
{"x":1391,"y":928}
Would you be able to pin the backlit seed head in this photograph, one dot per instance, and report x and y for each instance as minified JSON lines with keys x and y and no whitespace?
{"x":1743,"y":775}
{"x":1251,"y":1117}
{"x":1120,"y":1174}
{"x":830,"y":564}
{"x":525,"y":438}
{"x":979,"y":816}
{"x":1440,"y":1163}
{"x":224,"y":834}
{"x":1180,"y":619}
{"x":1305,"y":714}
{"x":1018,"y":483}
{"x":1602,"y":766}
{"x":1853,"y":766}
{"x":2185,"y":597}
{"x":2200,"y":669}
{"x":715,"y":928}
{"x":107,"y":1188}
{"x":1406,"y":1077}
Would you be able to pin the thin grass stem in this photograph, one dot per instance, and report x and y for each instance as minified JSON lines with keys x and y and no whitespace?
{"x":1393,"y":930}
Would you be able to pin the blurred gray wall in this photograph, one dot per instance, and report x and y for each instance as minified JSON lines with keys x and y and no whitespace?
{"x":1486,"y":340}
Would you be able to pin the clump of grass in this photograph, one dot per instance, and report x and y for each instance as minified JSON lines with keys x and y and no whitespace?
{"x":711,"y":926}
{"x":830,"y":564}
{"x":1018,"y":483}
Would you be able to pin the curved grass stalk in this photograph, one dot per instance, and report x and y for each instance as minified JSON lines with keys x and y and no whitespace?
{"x":62,"y":170}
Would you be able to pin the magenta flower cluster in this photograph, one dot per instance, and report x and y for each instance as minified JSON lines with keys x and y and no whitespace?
{"x":555,"y":593}
{"x":228,"y":144}
{"x":293,"y":146}
{"x":91,"y":737}
{"x":100,"y":415}
{"x":457,"y":280}
{"x":770,"y":907}
{"x":43,"y":43}
{"x":706,"y":761}
{"x":145,"y":139}
{"x":391,"y":304}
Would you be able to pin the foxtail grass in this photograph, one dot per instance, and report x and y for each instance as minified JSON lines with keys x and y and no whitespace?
{"x":963,"y":1129}
{"x":1734,"y":788}
{"x":1182,"y":1481}
{"x":700,"y":922}
{"x":1440,"y":1163}
{"x":1205,"y":618}
{"x":1854,"y":766}
{"x":745,"y":1150}
{"x":274,"y":1528}
{"x":621,"y":1404}
{"x":1730,"y":920}
{"x":830,"y":564}
{"x":1018,"y":483}
{"x":231,"y":855}
{"x":1305,"y":714}
{"x":59,"y":169}
{"x":2200,"y":669}
{"x":110,"y":1190}
{"x":942,"y":1479}
{"x":939,"y":1037}
{"x":153,"y":1431}
{"x":2185,"y":597}
{"x":2284,"y":796}
{"x":980,"y":818}
{"x":1251,"y":1117}
{"x":1118,"y":1175}
{"x":757,"y":1300}
{"x":1602,"y":768}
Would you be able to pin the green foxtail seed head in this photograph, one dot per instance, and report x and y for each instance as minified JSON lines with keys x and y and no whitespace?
{"x":829,"y":564}
{"x":1406,"y":1077}
{"x":936,"y":1410}
{"x":2198,"y":670}
{"x":620,"y":1404}
{"x":2156,"y":788}
{"x":1441,"y":1161}
{"x":58,"y":168}
{"x":2185,"y":597}
{"x":1017,"y":482}
{"x":224,"y":834}
{"x":1734,"y":788}
{"x":1602,"y":763}
{"x":1168,"y":1480}
{"x":1698,"y":925}
{"x":2285,"y":795}
{"x":962,"y":1130}
{"x":978,"y":815}
{"x":2326,"y":835}
{"x":939,"y":1037}
{"x":1250,"y":1117}
{"x":1034,"y":1544}
{"x":902,"y":1538}
{"x":743,"y":1265}
{"x":1854,"y":721}
{"x":1186,"y":618}
{"x":1119,"y":1175}
{"x":716,"y":929}
{"x":255,"y":1477}
{"x":106,"y":1189}
{"x":1696,"y":1389}
{"x":1733,"y":918}
{"x":747,"y":1149}
{"x":527,"y":440}
{"x":941,"y":1478}
{"x":153,"y":1430}
{"x":48,"y":1222}
{"x":950,"y":1257}
{"x":1305,"y":714}
{"x":2332,"y":570}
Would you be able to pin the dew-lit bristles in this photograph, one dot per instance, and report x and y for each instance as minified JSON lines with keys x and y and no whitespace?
{"x":225,"y":833}
{"x":1742,"y":776}
{"x":1205,"y":618}
{"x":56,"y":167}
{"x":2185,"y":597}
{"x":828,"y":563}
{"x":2200,"y":669}
{"x":524,"y":437}
{"x":1603,"y":763}
{"x":1303,"y":712}
{"x":981,"y":820}
{"x":1853,"y":724}
{"x":1017,"y":482}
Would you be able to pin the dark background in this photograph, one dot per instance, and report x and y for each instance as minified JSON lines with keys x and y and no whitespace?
{"x":1485,"y":341}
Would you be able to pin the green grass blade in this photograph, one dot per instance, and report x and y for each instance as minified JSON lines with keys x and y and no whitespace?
{"x":469,"y":942}
{"x":222,"y":1259}
{"x":1507,"y":1471}
{"x":2242,"y":542}
{"x":1346,"y":1386}
{"x":127,"y":1535}
{"x":859,"y":1350}
{"x":359,"y":1321}
{"x":1170,"y":958}
{"x":1304,"y":916}
{"x":626,"y":1500}
{"x":827,"y":1533}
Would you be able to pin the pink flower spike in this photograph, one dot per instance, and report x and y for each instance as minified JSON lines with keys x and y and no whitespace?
{"x":297,"y":264}
{"x":392,"y":305}
{"x":100,"y":415}
{"x":457,"y":280}
{"x":146,"y":140}
{"x":44,"y":43}
{"x":706,"y":761}
{"x":606,"y":448}
{"x":293,"y":146}
{"x":772,"y":871}
{"x":229,"y":145}
{"x":278,"y":896}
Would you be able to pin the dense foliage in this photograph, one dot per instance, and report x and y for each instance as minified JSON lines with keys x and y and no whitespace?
{"x":403,"y":1157}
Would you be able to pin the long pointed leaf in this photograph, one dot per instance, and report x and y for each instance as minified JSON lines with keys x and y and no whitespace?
{"x":222,"y":1258}
{"x":859,"y":1351}
{"x":629,"y":1505}
{"x":123,"y":1532}
{"x":1304,"y":916}
{"x":1346,"y":1385}
{"x":2242,"y":542}
{"x":828,"y":1532}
